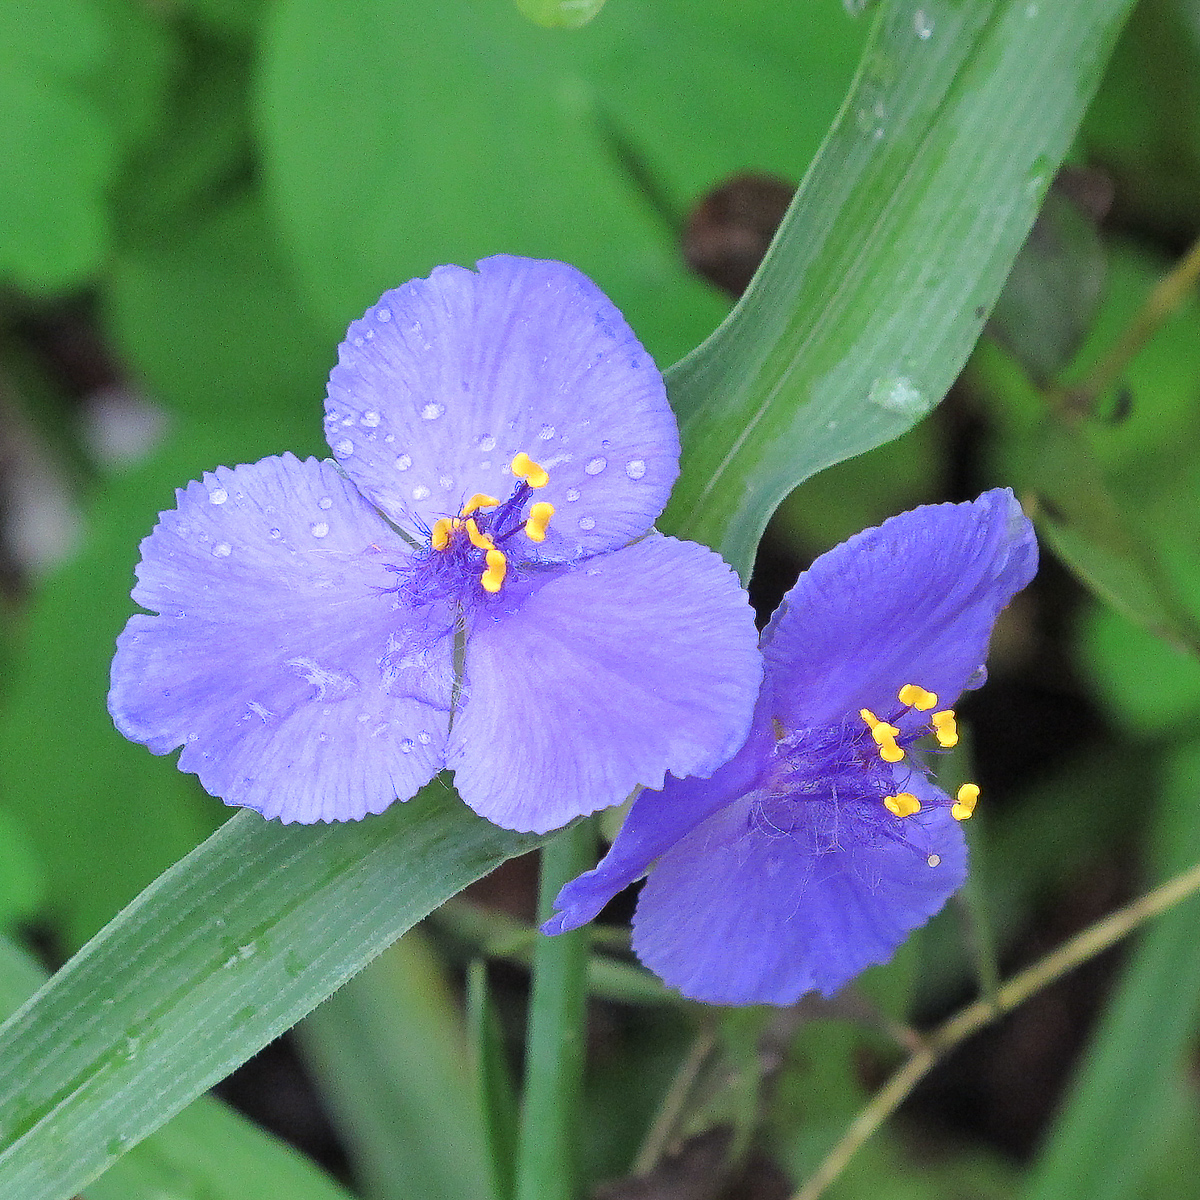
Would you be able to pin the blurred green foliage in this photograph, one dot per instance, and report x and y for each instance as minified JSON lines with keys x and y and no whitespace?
{"x":198,"y":195}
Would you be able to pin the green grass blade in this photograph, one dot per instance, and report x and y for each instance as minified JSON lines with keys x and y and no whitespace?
{"x":390,"y":1052}
{"x":893,"y":252}
{"x":493,"y":1081}
{"x":1122,"y":1101}
{"x":207,"y":1150}
{"x":223,"y":952}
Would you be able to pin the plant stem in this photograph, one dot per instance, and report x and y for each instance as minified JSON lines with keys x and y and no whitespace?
{"x":1084,"y":946}
{"x":546,"y":1167}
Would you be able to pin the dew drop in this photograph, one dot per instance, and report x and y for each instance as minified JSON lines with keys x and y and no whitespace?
{"x":325,"y":502}
{"x":222,"y":550}
{"x":319,"y":528}
{"x":275,"y":534}
{"x":572,"y":494}
{"x":344,"y":448}
{"x":420,"y":492}
{"x":596,"y":465}
{"x":587,"y":523}
{"x":635,"y":468}
{"x":403,"y":462}
{"x":357,"y":342}
{"x":445,"y":482}
{"x":898,"y":394}
{"x":424,"y":738}
{"x":218,"y":496}
{"x":433,"y":410}
{"x":407,"y":746}
{"x":487,"y":443}
{"x":546,"y":433}
{"x":383,"y":314}
{"x":370,"y":419}
{"x":923,"y":24}
{"x":934,"y":860}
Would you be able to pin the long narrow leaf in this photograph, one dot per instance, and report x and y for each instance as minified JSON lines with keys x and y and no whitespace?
{"x":225,"y":951}
{"x":892,"y":254}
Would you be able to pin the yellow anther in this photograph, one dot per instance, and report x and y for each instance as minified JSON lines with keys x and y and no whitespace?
{"x":539,"y":518}
{"x":497,"y":567}
{"x":917,"y":697}
{"x":903,"y":804}
{"x":890,"y":752}
{"x":480,"y":541}
{"x":967,"y":797}
{"x":523,"y":467}
{"x":945,"y":728}
{"x":478,"y":501}
{"x":439,"y":535}
{"x":867,"y":715}
{"x":883,"y":733}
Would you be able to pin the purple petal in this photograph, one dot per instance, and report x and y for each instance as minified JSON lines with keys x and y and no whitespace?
{"x":658,"y":820}
{"x":912,"y":601}
{"x":278,"y":659}
{"x":613,"y":672}
{"x":739,"y":913}
{"x":445,"y":380}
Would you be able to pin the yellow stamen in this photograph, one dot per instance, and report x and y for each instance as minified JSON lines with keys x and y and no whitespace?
{"x":523,"y":467}
{"x":439,"y":535}
{"x":967,"y":798}
{"x":945,"y":728}
{"x":890,"y":752}
{"x":903,"y":804}
{"x":539,"y":518}
{"x":480,"y":541}
{"x":917,"y":697}
{"x":478,"y":501}
{"x":497,"y":566}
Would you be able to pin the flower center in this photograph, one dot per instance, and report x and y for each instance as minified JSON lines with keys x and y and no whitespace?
{"x":891,"y":743}
{"x":471,"y":543}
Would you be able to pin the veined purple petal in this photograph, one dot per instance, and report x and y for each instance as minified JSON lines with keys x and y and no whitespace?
{"x":443,"y":382}
{"x":603,"y":678}
{"x":657,"y":820}
{"x":739,"y":912}
{"x":280,"y":659}
{"x":911,"y":601}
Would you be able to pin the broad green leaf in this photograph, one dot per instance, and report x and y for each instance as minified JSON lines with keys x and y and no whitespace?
{"x":390,"y":1052}
{"x":466,"y":131}
{"x":1104,"y":1138}
{"x":893,"y":252}
{"x":225,"y":951}
{"x":560,"y":14}
{"x":207,"y":1151}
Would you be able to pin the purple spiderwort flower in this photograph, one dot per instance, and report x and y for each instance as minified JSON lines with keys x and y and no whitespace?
{"x":474,"y":584}
{"x":823,"y":842}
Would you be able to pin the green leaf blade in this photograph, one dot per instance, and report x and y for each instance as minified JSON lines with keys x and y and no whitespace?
{"x":225,"y":951}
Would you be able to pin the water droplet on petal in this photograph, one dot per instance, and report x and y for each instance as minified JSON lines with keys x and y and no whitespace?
{"x":424,"y":738}
{"x":275,"y":534}
{"x":370,"y":419}
{"x":445,"y":482}
{"x":222,"y":550}
{"x":344,"y":448}
{"x":546,"y":433}
{"x":406,"y":746}
{"x":420,"y":492}
{"x":218,"y":495}
{"x":325,"y":502}
{"x":383,"y":314}
{"x":403,"y":462}
{"x":433,"y":410}
{"x":572,"y":494}
{"x":319,"y":528}
{"x":898,"y":394}
{"x":635,"y":468}
{"x":596,"y":465}
{"x":487,"y":443}
{"x":587,"y":523}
